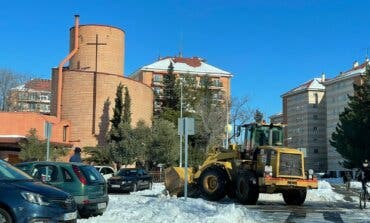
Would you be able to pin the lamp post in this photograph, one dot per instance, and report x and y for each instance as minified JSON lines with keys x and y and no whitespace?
{"x":181,"y":120}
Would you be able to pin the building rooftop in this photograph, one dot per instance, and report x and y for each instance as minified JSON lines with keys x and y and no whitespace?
{"x":192,"y":65}
{"x":35,"y":84}
{"x":313,"y":84}
{"x":357,"y":69}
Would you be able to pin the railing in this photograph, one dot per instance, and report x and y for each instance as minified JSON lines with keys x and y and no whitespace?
{"x":157,"y":176}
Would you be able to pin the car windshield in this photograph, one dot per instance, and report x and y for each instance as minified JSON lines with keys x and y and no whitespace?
{"x":127,"y":172}
{"x":9,"y":172}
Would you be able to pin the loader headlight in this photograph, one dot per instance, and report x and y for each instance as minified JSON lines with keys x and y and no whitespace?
{"x":310,"y":171}
{"x":310,"y":174}
{"x":268,"y":171}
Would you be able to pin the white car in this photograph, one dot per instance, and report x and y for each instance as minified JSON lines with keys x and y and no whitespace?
{"x":106,"y":171}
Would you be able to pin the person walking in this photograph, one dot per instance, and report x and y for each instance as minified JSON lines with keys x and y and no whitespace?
{"x":76,"y":156}
{"x":364,"y":174}
{"x":347,"y":179}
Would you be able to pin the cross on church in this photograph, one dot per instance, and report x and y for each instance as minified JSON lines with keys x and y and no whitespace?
{"x":95,"y":80}
{"x":96,"y":50}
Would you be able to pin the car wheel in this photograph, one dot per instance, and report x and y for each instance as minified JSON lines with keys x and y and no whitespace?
{"x":5,"y":216}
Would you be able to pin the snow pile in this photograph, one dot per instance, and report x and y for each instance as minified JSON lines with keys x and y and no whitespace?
{"x":153,"y":206}
{"x":323,"y":193}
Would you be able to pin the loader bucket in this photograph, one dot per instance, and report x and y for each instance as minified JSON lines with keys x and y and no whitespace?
{"x":174,"y":180}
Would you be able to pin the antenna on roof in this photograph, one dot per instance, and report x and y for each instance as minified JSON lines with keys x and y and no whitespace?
{"x":181,"y":44}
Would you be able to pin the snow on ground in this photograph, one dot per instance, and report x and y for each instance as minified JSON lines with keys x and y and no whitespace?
{"x":323,"y":193}
{"x":154,"y":206}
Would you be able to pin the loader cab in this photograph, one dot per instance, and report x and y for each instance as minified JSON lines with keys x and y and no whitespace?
{"x":250,"y":137}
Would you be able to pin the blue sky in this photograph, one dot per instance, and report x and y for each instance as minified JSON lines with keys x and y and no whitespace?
{"x":269,"y":46}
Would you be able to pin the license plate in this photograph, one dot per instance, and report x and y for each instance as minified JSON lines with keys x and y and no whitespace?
{"x":70,"y":216}
{"x":102,"y":205}
{"x":116,"y":186}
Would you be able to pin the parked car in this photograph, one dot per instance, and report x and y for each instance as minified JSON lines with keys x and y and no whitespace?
{"x":130,"y":179}
{"x":84,"y":182}
{"x":106,"y":171}
{"x":23,"y":199}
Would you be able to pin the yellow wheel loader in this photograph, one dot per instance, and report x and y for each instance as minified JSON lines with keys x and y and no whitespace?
{"x":256,"y":162}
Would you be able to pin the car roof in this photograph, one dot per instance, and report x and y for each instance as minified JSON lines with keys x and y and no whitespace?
{"x":53,"y":162}
{"x":103,"y":166}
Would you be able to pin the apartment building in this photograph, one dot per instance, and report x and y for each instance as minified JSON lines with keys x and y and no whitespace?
{"x":304,"y":112}
{"x":33,"y":96}
{"x":337,"y":91}
{"x":153,"y":74}
{"x":277,"y":118}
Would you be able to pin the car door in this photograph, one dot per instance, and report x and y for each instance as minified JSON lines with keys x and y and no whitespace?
{"x":140,"y":178}
{"x":146,"y":179}
{"x":47,"y":173}
{"x":107,"y":173}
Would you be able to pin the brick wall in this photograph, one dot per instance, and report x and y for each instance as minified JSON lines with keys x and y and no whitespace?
{"x":110,"y":56}
{"x":78,"y":104}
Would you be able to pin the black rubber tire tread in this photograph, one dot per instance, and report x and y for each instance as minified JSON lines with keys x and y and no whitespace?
{"x":295,"y":196}
{"x":6,"y":215}
{"x":222,"y":181}
{"x":231,"y":190}
{"x":247,"y":187}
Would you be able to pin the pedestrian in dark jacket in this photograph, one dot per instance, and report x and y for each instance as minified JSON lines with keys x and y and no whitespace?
{"x":364,"y":174}
{"x":76,"y":156}
{"x":347,"y":179}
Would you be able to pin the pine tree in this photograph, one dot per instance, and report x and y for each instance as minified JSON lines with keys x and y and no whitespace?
{"x":351,"y":136}
{"x":127,"y":108}
{"x":258,"y":116}
{"x":117,"y":111}
{"x":170,"y":93}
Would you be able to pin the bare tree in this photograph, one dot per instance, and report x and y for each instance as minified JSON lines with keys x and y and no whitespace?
{"x":8,"y":80}
{"x":212,"y":124}
{"x":240,"y":112}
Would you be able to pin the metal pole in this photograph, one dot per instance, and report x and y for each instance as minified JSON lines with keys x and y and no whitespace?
{"x":48,"y":134}
{"x":181,"y":121}
{"x":227,"y":124}
{"x":186,"y":161}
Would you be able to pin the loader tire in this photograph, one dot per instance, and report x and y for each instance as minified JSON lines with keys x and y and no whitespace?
{"x":295,"y":197}
{"x":231,"y":190}
{"x":212,"y":183}
{"x":247,"y":188}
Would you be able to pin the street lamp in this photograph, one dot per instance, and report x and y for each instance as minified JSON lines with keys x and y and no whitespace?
{"x":181,"y":121}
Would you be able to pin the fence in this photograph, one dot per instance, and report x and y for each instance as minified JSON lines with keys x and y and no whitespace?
{"x":157,"y":176}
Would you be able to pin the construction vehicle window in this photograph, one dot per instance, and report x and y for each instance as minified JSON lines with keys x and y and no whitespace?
{"x":261,"y":137}
{"x":276,"y":137}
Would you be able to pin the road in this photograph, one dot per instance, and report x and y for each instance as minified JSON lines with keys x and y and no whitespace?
{"x":344,"y":211}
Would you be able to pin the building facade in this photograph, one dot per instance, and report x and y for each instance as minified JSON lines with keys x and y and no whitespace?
{"x":277,"y":118}
{"x":33,"y":96}
{"x":337,"y":91}
{"x":85,"y":90}
{"x":304,"y":112}
{"x":153,"y":75}
{"x":82,"y":93}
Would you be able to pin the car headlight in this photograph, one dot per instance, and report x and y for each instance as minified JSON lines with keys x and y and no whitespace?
{"x":35,"y":198}
{"x":126,"y":182}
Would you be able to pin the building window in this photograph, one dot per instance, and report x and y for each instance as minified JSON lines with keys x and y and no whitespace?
{"x":316,"y":151}
{"x":316,"y":100}
{"x":315,"y":130}
{"x":65,"y":128}
{"x":157,"y":90}
{"x":315,"y":117}
{"x":157,"y":78}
